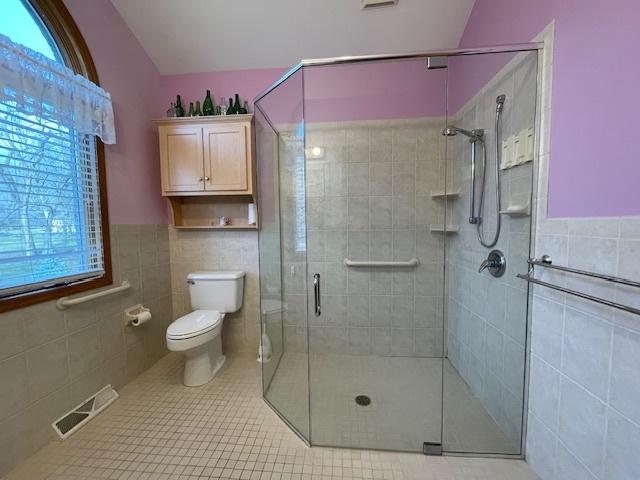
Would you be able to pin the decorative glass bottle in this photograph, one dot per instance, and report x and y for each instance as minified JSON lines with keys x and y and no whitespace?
{"x":172,"y":110}
{"x":191,"y":110}
{"x":238,"y":106}
{"x":179,"y":108}
{"x":223,"y":106}
{"x":245,"y":107}
{"x":208,"y":108}
{"x":198,"y":112}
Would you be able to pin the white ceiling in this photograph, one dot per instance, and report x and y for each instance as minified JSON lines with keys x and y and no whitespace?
{"x":187,"y":36}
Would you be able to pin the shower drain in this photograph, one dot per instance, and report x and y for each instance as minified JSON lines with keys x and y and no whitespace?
{"x":363,"y":400}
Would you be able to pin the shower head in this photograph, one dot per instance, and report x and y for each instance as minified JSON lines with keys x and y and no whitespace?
{"x":500,"y":102}
{"x":474,"y":135}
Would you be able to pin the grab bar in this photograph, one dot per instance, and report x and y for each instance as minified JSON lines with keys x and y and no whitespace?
{"x":602,"y":301}
{"x":546,"y":262}
{"x":414,"y":262}
{"x":65,"y":302}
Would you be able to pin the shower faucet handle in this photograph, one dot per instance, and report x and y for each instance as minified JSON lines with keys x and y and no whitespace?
{"x":495,"y":262}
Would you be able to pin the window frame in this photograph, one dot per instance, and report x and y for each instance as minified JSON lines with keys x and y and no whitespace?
{"x":61,"y":26}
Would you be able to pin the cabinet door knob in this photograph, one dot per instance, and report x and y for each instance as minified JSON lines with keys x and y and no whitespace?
{"x":199,"y":179}
{"x":206,"y":179}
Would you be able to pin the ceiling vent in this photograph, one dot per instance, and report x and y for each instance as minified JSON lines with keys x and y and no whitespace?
{"x":367,"y":4}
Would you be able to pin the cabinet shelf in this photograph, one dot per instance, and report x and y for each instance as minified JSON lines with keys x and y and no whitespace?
{"x":216,"y":227}
{"x":203,"y":213}
{"x":203,"y":119}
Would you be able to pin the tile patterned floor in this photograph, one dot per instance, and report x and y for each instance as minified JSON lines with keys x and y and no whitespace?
{"x":406,"y":403}
{"x":160,"y":429}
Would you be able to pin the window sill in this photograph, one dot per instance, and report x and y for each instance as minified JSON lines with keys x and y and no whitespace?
{"x":39,"y":296}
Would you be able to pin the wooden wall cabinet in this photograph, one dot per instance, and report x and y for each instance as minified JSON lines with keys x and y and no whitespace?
{"x":207,"y":163}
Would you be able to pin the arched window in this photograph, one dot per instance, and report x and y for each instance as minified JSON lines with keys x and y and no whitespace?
{"x":54,"y":232}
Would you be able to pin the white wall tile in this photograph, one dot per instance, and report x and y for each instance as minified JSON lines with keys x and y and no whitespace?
{"x":544,"y":392}
{"x":582,"y":424}
{"x":541,"y":449}
{"x":587,"y":351}
{"x":621,"y":461}
{"x":569,"y":467}
{"x":625,"y":371}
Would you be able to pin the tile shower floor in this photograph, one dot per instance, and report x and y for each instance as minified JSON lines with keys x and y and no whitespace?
{"x":405,"y":407}
{"x":160,"y":429}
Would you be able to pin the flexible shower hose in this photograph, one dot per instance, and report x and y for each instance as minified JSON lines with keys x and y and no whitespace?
{"x":498,"y":143}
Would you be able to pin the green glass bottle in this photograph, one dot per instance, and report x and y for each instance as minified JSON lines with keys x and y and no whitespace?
{"x":245,"y":107}
{"x":198,"y":112}
{"x":232,"y":109}
{"x":239,"y":108}
{"x":208,"y":108}
{"x":179,"y":108}
{"x":191,"y":110}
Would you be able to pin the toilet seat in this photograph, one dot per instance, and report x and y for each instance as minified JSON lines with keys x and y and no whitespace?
{"x":194,"y":324}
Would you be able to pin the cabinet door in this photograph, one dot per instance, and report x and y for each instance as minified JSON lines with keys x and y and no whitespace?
{"x":226,"y":163}
{"x":181,"y":156}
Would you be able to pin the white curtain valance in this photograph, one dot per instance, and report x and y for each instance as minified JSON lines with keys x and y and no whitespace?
{"x":39,"y":86}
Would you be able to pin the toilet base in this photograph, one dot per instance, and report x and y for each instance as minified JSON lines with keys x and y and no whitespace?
{"x":202,"y":363}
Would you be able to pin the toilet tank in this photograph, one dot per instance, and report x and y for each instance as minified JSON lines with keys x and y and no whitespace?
{"x":212,"y":290}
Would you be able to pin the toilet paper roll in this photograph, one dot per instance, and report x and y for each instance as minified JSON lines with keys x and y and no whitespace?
{"x":251,"y":214}
{"x":141,"y":318}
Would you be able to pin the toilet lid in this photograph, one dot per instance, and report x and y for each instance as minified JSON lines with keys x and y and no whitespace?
{"x":194,"y":323}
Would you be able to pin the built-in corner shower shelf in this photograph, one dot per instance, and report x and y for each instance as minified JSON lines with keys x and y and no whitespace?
{"x":449,"y":229}
{"x":516,"y":211}
{"x":440,"y":194}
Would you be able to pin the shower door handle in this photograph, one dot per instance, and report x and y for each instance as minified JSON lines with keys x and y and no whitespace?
{"x":316,"y":294}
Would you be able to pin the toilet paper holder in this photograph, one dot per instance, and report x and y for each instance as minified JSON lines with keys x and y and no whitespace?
{"x":136,"y":315}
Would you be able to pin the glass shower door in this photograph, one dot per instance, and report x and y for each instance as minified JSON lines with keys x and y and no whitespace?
{"x":283,"y":257}
{"x":374,"y":154}
{"x":487,"y":315}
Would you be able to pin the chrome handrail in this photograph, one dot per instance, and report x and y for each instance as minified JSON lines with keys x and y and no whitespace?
{"x":586,"y":296}
{"x":546,"y":262}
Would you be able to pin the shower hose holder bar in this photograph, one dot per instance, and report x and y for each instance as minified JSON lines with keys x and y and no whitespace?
{"x":546,"y":262}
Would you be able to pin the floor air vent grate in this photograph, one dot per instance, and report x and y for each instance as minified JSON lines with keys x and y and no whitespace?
{"x":76,"y":418}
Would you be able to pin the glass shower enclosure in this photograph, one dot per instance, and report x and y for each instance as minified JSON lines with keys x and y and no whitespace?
{"x":378,"y":177}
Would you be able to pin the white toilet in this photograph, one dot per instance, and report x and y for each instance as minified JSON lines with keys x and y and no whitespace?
{"x":197,"y":334}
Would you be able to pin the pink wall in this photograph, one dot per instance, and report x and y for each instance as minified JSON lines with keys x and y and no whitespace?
{"x":595,"y":167}
{"x":125,"y":71}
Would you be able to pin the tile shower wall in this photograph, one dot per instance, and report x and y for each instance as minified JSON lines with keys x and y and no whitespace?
{"x":51,"y":360}
{"x":193,"y":250}
{"x":487,"y":316}
{"x":583,"y":419}
{"x":367,"y":199}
